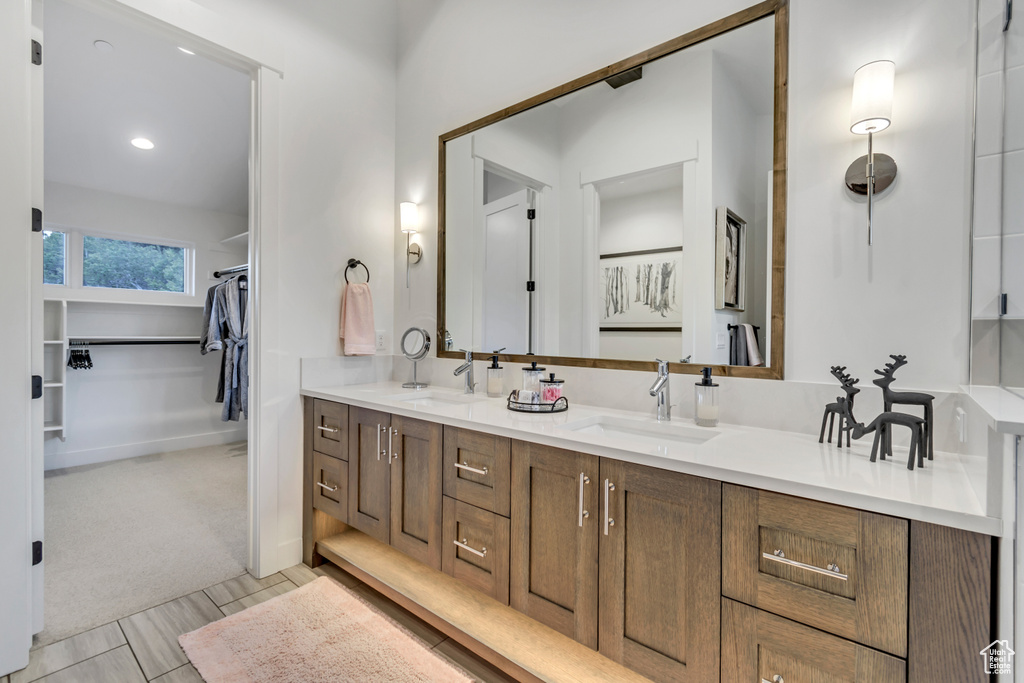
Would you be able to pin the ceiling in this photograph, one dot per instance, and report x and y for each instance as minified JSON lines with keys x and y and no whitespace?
{"x":195,"y":110}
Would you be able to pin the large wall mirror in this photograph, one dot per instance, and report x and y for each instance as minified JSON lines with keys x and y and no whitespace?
{"x":632,"y":214}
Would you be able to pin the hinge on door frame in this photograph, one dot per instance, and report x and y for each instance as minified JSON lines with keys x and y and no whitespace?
{"x":37,"y":552}
{"x":37,"y":220}
{"x":1007,"y":15}
{"x":1002,"y":303}
{"x":531,"y":214}
{"x":531,"y":286}
{"x":37,"y":52}
{"x":37,"y":386}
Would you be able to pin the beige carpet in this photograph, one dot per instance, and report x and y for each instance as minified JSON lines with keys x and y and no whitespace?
{"x":125,"y":536}
{"x":319,"y":632}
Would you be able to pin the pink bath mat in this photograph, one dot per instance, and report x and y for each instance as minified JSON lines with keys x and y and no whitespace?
{"x":319,"y":632}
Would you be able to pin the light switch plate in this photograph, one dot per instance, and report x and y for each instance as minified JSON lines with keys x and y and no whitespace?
{"x":720,"y":340}
{"x":382,"y":340}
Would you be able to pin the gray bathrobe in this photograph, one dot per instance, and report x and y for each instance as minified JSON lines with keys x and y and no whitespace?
{"x":229,"y":330}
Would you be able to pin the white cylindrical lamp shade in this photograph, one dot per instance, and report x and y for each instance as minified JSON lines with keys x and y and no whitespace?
{"x":410,"y":217}
{"x":871,"y":111}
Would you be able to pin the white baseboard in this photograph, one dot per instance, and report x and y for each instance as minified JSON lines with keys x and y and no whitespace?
{"x":289,"y":553}
{"x":92,"y":456}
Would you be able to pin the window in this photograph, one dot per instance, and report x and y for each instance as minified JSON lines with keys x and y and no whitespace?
{"x":120,"y":264}
{"x":97,"y":266}
{"x":53,"y":257}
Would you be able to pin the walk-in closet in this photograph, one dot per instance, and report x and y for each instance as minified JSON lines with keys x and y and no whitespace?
{"x":145,"y":316}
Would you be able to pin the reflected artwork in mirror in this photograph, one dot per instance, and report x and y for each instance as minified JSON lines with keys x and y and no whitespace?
{"x":633,"y":214}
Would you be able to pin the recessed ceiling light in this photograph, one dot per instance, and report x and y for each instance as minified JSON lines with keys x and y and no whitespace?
{"x":143,"y":143}
{"x":102,"y":46}
{"x":186,"y":50}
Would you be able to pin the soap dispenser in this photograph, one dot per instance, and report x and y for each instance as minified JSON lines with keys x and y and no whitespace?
{"x":705,"y":401}
{"x":495,"y":378}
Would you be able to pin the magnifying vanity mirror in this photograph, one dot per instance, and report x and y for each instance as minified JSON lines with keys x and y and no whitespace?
{"x":638,"y":212}
{"x":415,"y":346}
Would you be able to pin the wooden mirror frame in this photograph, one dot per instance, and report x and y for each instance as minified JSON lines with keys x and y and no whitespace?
{"x":779,"y":8}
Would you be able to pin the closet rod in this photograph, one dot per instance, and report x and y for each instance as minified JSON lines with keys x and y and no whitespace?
{"x":231,"y":271}
{"x":133,"y":342}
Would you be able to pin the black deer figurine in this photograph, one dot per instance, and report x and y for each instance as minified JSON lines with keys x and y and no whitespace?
{"x":839,"y":408}
{"x":882,"y":427}
{"x":892,"y":398}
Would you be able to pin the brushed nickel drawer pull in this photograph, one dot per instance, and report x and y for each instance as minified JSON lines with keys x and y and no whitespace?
{"x":391,"y":432}
{"x":608,"y":521}
{"x":474,"y":470}
{"x":327,"y":429}
{"x":378,"y":442}
{"x":478,"y":553}
{"x":325,"y":486}
{"x":584,"y":479}
{"x":831,"y":570}
{"x":394,"y":431}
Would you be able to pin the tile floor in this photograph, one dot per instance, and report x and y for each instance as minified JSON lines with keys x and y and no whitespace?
{"x":144,"y":647}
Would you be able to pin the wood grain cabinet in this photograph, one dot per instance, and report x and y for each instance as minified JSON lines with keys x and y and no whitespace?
{"x":834,"y":568}
{"x":759,"y":646}
{"x":476,"y":547}
{"x":394,"y":482}
{"x":621,"y":557}
{"x":330,"y":422}
{"x":660,"y":571}
{"x":555,"y":523}
{"x":476,"y":469}
{"x":330,"y":486}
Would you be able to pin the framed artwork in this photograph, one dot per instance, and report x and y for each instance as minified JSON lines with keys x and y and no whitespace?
{"x":730,"y":260}
{"x":642,"y":291}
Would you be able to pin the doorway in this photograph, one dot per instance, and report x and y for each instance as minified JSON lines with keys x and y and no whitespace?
{"x":147,"y":155}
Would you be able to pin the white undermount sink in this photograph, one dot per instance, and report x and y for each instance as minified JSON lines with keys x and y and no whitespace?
{"x":434,"y":399}
{"x":642,"y":432}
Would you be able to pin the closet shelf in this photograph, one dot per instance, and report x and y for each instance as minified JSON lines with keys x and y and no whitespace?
{"x":106,"y":302}
{"x":237,"y":239}
{"x":52,"y":426}
{"x":53,"y":341}
{"x":127,"y":340}
{"x":52,"y":385}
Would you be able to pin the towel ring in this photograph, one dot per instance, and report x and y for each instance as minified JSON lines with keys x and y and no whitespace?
{"x":352,"y":263}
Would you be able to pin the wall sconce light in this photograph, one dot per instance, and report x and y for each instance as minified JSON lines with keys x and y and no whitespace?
{"x":410,"y":221}
{"x":872,"y":113}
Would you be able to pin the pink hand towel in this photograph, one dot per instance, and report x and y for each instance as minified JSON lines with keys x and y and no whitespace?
{"x":357,"y":331}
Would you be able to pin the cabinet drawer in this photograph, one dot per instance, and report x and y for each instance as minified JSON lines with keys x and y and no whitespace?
{"x":475,"y":548}
{"x":758,"y":646}
{"x":834,"y":568}
{"x":330,"y":486}
{"x":477,"y":469}
{"x":330,"y":422}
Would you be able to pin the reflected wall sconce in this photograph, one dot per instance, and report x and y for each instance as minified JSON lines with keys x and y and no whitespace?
{"x":410,"y":220}
{"x":871,"y":113}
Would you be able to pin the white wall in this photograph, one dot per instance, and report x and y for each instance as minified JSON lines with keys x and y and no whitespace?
{"x":139,"y":400}
{"x":907,"y":294}
{"x":648,"y":220}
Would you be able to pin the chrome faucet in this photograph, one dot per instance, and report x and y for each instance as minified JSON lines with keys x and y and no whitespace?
{"x":467,"y":369}
{"x":660,"y":391}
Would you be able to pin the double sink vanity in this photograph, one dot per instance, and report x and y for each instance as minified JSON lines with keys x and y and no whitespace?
{"x":605,"y":545}
{"x":600,"y":544}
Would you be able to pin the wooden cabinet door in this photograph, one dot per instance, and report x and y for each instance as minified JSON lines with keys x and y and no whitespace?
{"x":476,"y":469}
{"x":330,"y":428}
{"x":475,"y":548}
{"x":834,"y":568}
{"x":416,"y":448}
{"x":660,"y":574}
{"x":760,"y":646}
{"x":555,"y":538}
{"x":369,"y":474}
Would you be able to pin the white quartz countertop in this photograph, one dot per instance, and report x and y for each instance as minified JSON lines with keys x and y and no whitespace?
{"x":1004,"y":407}
{"x":785,"y":462}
